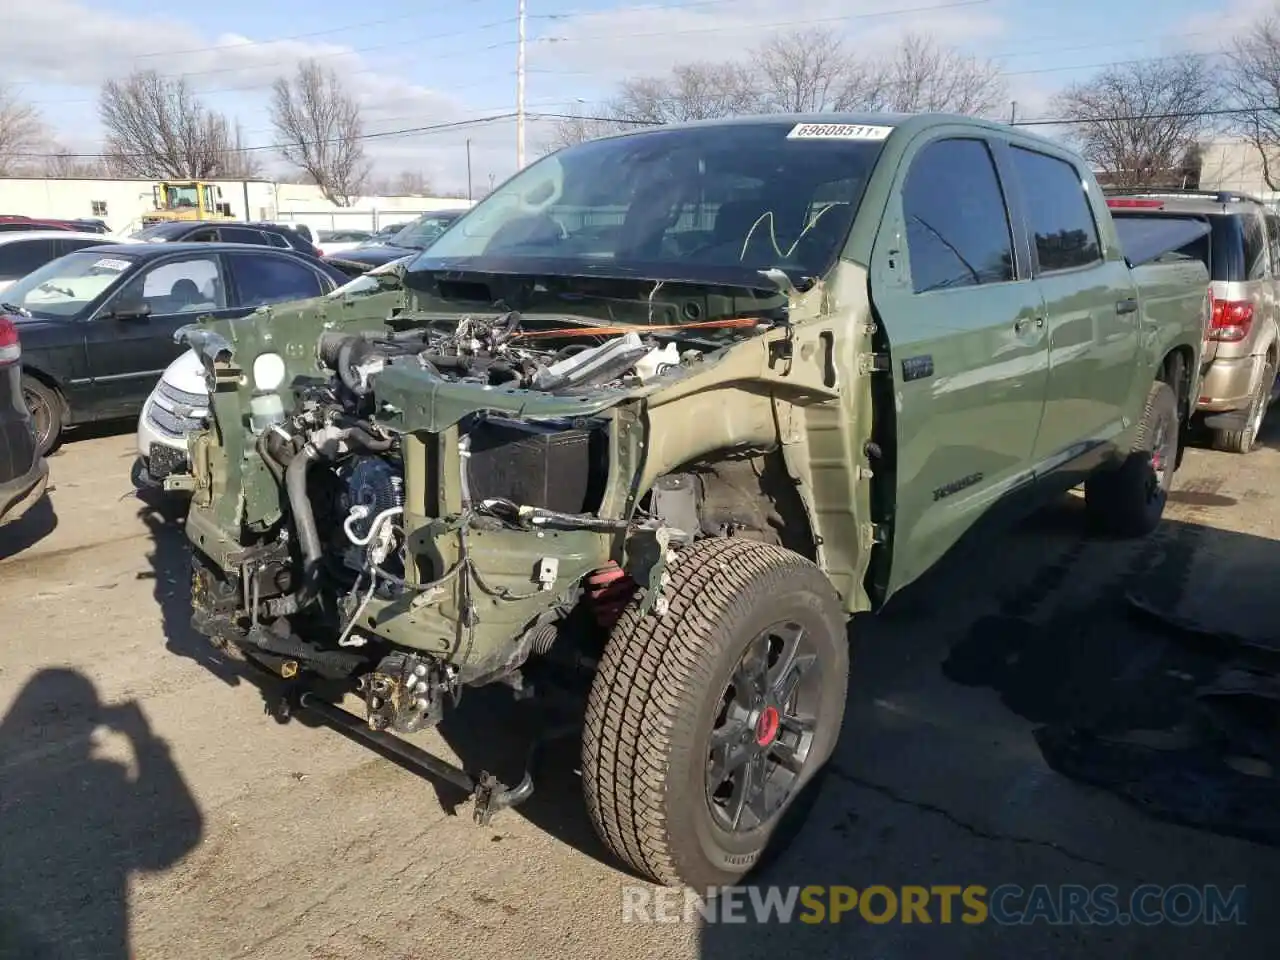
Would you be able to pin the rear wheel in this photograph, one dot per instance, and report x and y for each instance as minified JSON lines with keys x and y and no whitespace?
{"x":1244,"y":439}
{"x":45,"y":406}
{"x":1129,"y":500}
{"x":705,"y":723}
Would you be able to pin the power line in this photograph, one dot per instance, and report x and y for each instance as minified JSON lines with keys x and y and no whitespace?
{"x":403,"y":131}
{"x":757,"y":26}
{"x":545,"y":115}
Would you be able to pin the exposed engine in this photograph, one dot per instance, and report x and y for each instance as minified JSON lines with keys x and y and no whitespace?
{"x":345,"y":480}
{"x":497,"y":351}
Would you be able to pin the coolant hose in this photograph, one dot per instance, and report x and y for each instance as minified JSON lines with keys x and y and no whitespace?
{"x":304,"y":525}
{"x":304,"y":518}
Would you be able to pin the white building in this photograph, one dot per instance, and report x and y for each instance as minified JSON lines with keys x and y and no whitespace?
{"x":1234,"y":164}
{"x":121,"y":203}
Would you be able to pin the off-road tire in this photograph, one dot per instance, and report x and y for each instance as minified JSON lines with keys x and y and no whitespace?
{"x":656,"y":694}
{"x":1245,"y":439}
{"x":1119,"y":501}
{"x":47,"y":413}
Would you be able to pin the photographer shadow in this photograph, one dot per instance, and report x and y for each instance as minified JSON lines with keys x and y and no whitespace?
{"x":77,"y":823}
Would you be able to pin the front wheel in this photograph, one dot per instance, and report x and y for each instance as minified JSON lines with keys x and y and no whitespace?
{"x":705,"y":722}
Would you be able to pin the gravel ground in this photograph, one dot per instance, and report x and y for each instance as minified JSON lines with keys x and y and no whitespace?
{"x":149,"y":808}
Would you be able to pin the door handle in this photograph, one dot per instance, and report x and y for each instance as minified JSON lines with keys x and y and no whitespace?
{"x":1129,"y":305}
{"x":1020,"y":325}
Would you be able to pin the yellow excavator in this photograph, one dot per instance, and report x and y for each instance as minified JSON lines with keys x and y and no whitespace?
{"x":186,"y":200}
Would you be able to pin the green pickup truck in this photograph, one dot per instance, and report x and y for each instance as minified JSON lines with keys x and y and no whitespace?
{"x":644,"y":428}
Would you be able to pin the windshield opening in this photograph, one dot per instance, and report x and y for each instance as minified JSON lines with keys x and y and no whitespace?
{"x":722,"y":196}
{"x":62,"y":288}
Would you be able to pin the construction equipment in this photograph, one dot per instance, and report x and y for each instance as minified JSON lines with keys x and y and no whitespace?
{"x":189,"y":200}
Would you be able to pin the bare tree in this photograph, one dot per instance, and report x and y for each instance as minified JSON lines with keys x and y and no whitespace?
{"x":1252,"y":81}
{"x":922,"y":76}
{"x":805,"y":71}
{"x":157,"y":127}
{"x":320,"y":131}
{"x":692,"y":91}
{"x":239,"y":161}
{"x":1138,"y":121}
{"x":61,"y":162}
{"x":21,"y":132}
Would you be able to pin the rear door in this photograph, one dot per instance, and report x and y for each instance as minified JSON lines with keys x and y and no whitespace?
{"x":1092,"y":310}
{"x":127,"y":355}
{"x":952,"y":286}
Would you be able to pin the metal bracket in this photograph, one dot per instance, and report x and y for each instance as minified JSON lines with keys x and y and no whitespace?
{"x":873,"y":363}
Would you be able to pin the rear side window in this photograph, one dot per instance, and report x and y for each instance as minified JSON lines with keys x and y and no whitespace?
{"x":957,"y":229}
{"x":242,"y":235}
{"x":276,"y":240}
{"x":76,"y":243}
{"x":1256,"y":261}
{"x":19,"y":258}
{"x":1061,"y":221}
{"x":268,"y":279}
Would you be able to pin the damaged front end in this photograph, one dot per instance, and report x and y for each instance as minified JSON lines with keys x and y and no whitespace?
{"x":409,"y":499}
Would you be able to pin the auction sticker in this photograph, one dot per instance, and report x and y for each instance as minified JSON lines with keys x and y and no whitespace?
{"x":838,"y":131}
{"x":111,"y":263}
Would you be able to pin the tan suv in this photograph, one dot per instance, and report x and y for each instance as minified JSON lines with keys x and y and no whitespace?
{"x":1242,"y":252}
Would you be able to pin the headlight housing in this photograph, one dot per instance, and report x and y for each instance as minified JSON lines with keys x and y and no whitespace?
{"x":268,"y":371}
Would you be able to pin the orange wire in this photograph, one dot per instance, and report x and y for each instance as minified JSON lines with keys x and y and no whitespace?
{"x":733,"y":323}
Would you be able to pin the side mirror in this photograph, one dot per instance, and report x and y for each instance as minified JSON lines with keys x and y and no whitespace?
{"x":130,"y":309}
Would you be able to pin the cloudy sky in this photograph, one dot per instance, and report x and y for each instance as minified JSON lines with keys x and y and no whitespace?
{"x":416,"y":63}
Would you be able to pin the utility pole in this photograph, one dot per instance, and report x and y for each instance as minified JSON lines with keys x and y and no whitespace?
{"x":520,"y":84}
{"x":468,"y":168}
{"x":1013,"y":112}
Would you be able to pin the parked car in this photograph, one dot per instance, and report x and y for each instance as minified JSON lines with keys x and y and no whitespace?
{"x":179,"y":403}
{"x":11,"y":223}
{"x":196,"y":231}
{"x":390,"y":230}
{"x":340,"y":241}
{"x":670,"y":460}
{"x":24,"y":472}
{"x":97,"y":324}
{"x":25,"y":250}
{"x":416,"y":236}
{"x":1242,"y":252}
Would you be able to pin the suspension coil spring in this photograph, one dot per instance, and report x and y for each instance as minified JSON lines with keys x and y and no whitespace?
{"x":610,"y":589}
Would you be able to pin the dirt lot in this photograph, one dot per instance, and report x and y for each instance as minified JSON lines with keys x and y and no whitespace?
{"x":148,"y":808}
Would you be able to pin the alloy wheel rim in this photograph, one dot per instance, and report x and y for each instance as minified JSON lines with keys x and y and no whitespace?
{"x":1163,"y":453}
{"x":762,"y":736}
{"x":40,"y":416}
{"x":1259,"y":410}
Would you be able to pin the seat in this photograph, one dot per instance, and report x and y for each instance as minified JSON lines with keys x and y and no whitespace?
{"x":184,"y":293}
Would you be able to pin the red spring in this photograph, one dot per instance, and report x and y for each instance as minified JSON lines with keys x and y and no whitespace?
{"x":610,"y":590}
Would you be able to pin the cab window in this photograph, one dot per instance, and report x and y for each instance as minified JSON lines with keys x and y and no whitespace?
{"x":958,"y":232}
{"x":1061,"y":220}
{"x":261,"y":280}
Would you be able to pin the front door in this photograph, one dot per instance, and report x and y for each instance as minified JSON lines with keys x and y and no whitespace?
{"x":128,"y":353}
{"x":952,"y":287}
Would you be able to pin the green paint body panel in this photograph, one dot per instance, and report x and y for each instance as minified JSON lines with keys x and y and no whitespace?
{"x":1008,"y":408}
